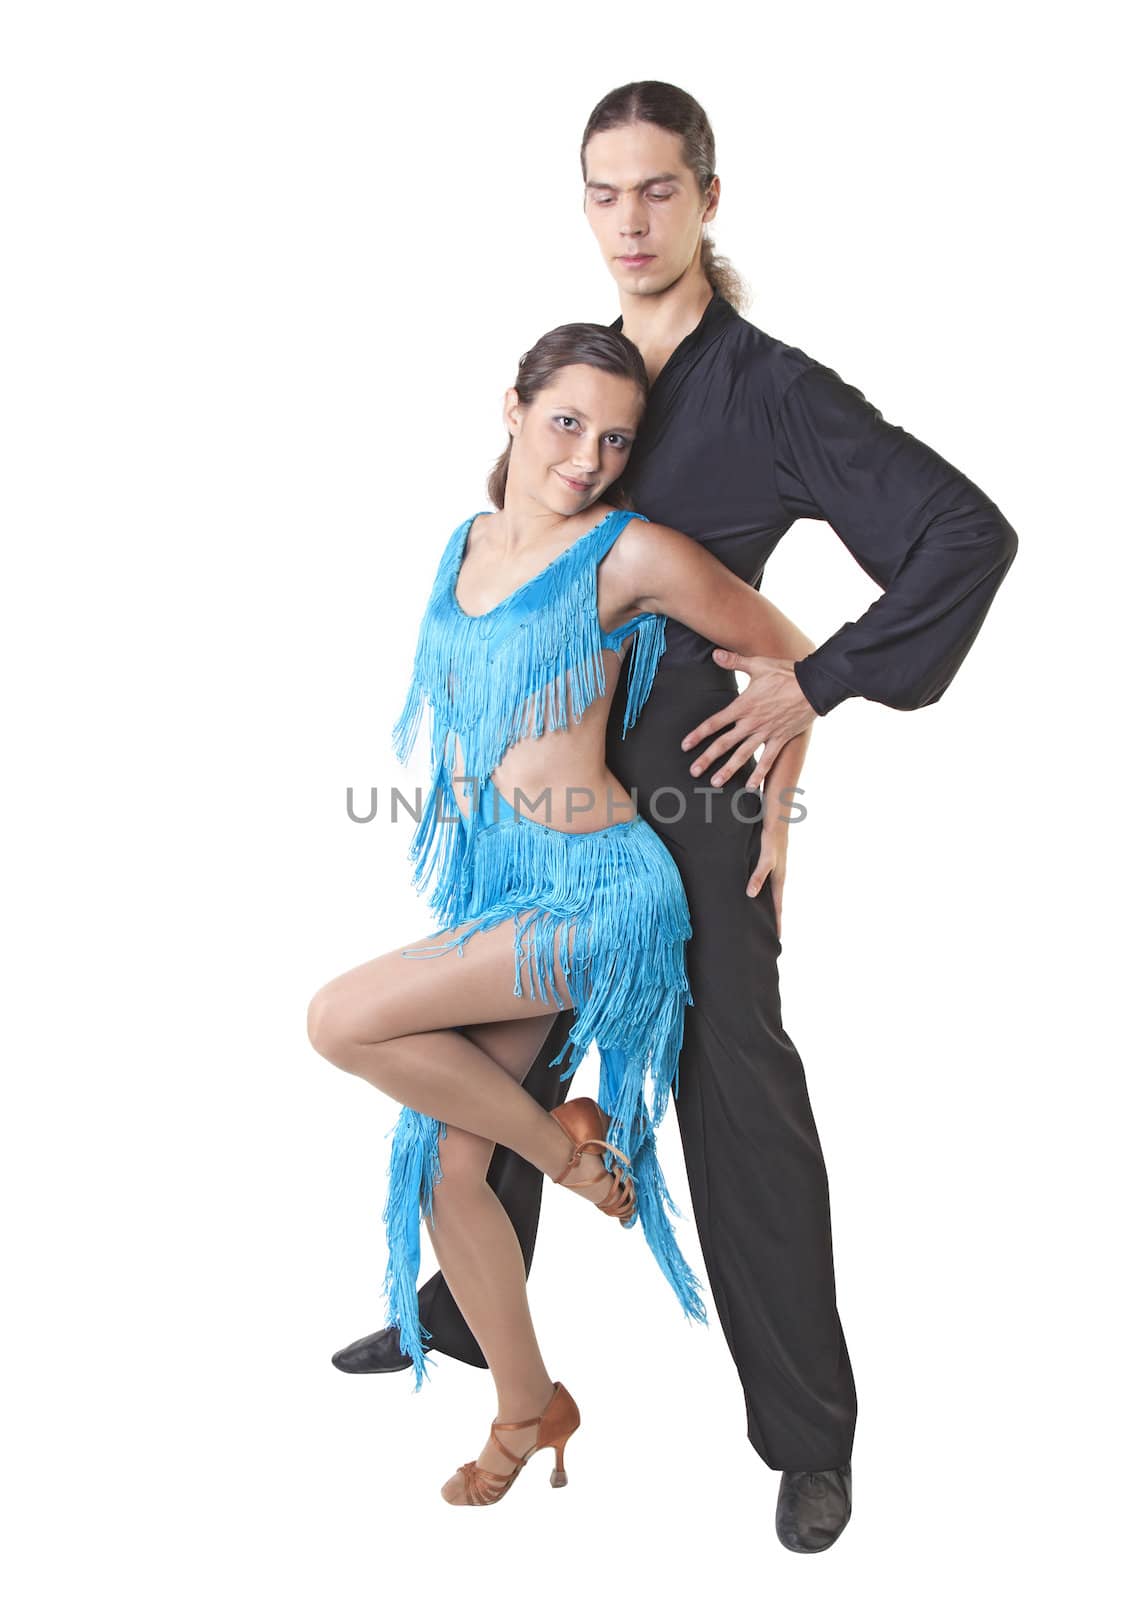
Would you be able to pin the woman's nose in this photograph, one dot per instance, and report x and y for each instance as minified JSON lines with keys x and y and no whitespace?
{"x":587,"y":454}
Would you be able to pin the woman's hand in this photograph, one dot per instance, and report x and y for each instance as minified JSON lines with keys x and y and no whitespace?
{"x":771,"y":866}
{"x":770,"y":711}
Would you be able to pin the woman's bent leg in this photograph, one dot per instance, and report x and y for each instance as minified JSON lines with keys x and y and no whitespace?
{"x":404,"y":1027}
{"x":396,"y":1023}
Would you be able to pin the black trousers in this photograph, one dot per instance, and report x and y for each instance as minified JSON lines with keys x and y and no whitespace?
{"x":755,"y":1168}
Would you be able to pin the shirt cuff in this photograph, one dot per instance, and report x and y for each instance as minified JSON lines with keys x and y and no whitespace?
{"x":822,"y":692}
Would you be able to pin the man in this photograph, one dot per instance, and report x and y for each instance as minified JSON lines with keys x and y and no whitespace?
{"x":742,"y":436}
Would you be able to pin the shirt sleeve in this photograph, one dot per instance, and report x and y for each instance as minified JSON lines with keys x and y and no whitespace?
{"x":932,"y":540}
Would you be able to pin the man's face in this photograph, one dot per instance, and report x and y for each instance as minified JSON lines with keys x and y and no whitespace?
{"x":573,"y":441}
{"x":644,"y":206}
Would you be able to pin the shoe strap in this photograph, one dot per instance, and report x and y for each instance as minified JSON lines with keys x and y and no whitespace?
{"x":528,"y":1423}
{"x":575,"y":1158}
{"x":621,"y":1185}
{"x":517,"y":1460}
{"x":481,"y":1485}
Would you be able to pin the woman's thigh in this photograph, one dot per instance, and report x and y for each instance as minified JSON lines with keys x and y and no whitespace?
{"x":393,"y":996}
{"x":513,"y":1046}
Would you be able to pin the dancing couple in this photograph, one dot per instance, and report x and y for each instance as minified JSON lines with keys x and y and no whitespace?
{"x":575,"y":662}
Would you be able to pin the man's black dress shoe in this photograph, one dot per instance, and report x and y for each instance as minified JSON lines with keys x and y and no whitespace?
{"x":813,"y":1508}
{"x":375,"y":1352}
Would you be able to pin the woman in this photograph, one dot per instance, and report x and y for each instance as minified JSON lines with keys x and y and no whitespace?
{"x":519,"y":654}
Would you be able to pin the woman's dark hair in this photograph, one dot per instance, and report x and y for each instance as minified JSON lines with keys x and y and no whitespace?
{"x":670,"y":108}
{"x":574,"y":344}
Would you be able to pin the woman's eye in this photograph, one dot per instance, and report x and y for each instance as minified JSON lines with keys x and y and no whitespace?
{"x":619,"y":441}
{"x":563,"y":420}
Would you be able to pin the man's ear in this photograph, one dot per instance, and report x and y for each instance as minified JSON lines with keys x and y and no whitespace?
{"x":511,"y":411}
{"x":713,"y":200}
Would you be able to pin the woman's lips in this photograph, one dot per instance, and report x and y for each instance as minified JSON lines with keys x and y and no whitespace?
{"x":574,"y":483}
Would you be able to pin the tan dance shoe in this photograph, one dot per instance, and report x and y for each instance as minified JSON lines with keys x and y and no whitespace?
{"x":586,"y":1125}
{"x":555,"y":1425}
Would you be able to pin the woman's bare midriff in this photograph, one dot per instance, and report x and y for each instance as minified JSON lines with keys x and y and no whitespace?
{"x":560,"y":779}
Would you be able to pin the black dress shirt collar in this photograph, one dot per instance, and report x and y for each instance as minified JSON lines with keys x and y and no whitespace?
{"x":718,"y":313}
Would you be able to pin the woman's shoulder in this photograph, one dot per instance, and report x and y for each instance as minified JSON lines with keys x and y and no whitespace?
{"x":649,"y":551}
{"x":640,"y":533}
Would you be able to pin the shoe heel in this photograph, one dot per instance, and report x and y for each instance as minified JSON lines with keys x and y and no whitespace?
{"x":559,"y":1477}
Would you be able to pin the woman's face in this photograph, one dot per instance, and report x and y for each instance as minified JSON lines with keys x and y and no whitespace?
{"x":644,"y":206}
{"x":573,"y":441}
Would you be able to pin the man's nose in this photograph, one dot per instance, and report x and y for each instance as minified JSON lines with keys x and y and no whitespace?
{"x":633,"y":218}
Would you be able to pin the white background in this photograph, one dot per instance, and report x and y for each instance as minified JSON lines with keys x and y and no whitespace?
{"x":268,"y":271}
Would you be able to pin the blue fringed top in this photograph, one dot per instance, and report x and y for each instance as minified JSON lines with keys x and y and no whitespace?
{"x":519,"y":670}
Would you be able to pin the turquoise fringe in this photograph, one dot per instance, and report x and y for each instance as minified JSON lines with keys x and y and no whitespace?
{"x":493,"y":697}
{"x":612,"y":900}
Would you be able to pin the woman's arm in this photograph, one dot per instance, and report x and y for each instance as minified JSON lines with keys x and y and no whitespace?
{"x":779,"y":803}
{"x":654,"y":568}
{"x":663,"y":570}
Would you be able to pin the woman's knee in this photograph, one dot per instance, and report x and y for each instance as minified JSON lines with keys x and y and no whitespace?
{"x":330,"y":1024}
{"x":362,"y":1009}
{"x":464,"y":1159}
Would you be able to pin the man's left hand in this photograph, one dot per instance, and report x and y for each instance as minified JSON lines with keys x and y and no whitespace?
{"x":770,"y":711}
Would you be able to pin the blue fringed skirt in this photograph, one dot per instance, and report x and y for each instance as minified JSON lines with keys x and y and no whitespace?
{"x":611,"y":905}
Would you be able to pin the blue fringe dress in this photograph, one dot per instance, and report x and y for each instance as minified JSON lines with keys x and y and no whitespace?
{"x":517,"y":671}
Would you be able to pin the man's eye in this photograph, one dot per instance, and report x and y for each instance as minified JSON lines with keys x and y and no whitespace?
{"x":604,"y":199}
{"x":667,"y":196}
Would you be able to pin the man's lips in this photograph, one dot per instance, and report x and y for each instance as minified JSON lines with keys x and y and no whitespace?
{"x":634,"y":261}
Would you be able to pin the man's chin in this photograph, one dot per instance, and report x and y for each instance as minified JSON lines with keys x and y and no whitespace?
{"x":643,"y":283}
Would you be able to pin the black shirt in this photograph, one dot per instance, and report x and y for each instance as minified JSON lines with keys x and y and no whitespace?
{"x":744,"y":434}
